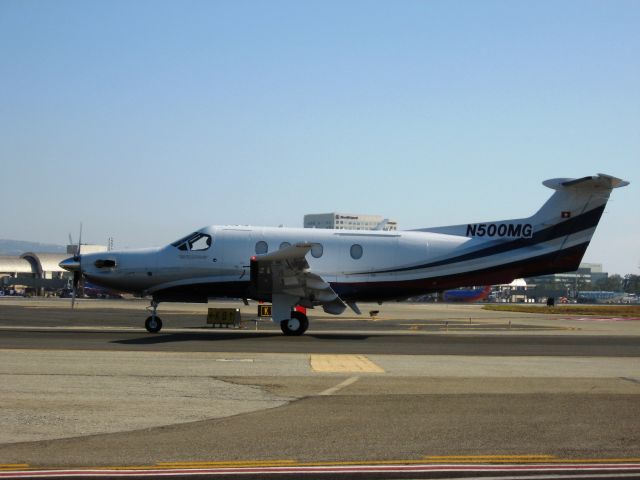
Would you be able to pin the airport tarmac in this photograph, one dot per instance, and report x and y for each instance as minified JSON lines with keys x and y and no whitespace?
{"x":91,"y":387}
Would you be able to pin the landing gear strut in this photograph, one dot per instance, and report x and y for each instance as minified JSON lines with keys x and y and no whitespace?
{"x":153,"y":324}
{"x":296,"y":325}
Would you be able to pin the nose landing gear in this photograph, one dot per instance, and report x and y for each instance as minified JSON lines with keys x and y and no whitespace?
{"x":153,"y":324}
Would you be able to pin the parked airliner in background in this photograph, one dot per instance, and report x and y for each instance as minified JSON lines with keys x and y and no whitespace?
{"x":335,"y":269}
{"x":468,"y":295}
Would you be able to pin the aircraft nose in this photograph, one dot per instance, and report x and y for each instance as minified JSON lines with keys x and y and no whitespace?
{"x":71,"y":264}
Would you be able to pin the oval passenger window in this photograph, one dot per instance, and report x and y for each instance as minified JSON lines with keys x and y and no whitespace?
{"x":262,"y":247}
{"x":316,"y":250}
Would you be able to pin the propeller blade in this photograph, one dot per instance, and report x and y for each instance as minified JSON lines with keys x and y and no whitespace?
{"x":77,"y":255}
{"x":76,"y":282}
{"x":77,"y":274}
{"x":73,"y":298}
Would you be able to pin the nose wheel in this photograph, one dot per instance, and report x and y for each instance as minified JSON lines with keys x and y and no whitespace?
{"x":296,"y":325}
{"x":153,"y":324}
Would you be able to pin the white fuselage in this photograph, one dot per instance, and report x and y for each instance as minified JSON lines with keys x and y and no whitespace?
{"x":338,"y":256}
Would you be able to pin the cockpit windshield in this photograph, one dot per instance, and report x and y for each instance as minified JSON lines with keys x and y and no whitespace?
{"x":196,"y":242}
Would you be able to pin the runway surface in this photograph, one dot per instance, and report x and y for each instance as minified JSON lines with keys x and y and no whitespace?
{"x":399,"y":329}
{"x":316,"y":341}
{"x":91,"y":388}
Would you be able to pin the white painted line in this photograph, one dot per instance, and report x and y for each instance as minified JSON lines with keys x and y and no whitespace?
{"x":533,"y":476}
{"x":340,"y":386}
{"x":235,"y":360}
{"x":532,"y":472}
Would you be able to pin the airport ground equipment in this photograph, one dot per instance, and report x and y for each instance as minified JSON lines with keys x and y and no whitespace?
{"x":223,"y":317}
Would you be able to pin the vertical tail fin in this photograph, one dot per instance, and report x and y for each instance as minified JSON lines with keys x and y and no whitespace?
{"x":583,"y":197}
{"x":552,"y":240}
{"x":569,"y":218}
{"x":573,"y":199}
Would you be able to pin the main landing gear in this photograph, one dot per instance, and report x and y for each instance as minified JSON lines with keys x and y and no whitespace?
{"x":153,"y":324}
{"x":296,"y":325}
{"x":292,"y":321}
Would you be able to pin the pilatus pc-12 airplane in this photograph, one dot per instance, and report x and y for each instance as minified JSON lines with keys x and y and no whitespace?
{"x":334,"y":269}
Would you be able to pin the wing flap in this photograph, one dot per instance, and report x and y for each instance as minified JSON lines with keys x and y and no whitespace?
{"x":334,"y":308}
{"x":292,"y":253}
{"x":288,"y":274}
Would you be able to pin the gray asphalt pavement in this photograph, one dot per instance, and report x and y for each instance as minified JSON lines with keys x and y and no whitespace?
{"x":398,"y":329}
{"x":91,"y":388}
{"x":318,"y":341}
{"x":390,"y":427}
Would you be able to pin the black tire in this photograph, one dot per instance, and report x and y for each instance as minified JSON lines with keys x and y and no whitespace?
{"x":153,"y":324}
{"x":296,"y":325}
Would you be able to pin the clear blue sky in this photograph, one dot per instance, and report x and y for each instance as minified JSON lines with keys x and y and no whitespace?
{"x":149,"y":119}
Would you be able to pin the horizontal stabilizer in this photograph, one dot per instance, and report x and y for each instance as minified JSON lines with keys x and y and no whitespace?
{"x":600,"y":181}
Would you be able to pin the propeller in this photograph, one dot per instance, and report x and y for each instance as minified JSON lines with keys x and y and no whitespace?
{"x":74,"y":265}
{"x":77,"y":273}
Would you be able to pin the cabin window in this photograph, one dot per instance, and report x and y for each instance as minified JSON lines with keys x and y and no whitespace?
{"x":356,"y":251}
{"x":316,"y":250}
{"x":182,"y":241}
{"x":284,"y":245}
{"x":200,"y":243}
{"x":261,"y":247}
{"x":196,"y":242}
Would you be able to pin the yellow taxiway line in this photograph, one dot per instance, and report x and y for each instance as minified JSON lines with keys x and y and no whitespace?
{"x":431,"y":459}
{"x":453,"y":459}
{"x":13,"y":466}
{"x":228,"y":464}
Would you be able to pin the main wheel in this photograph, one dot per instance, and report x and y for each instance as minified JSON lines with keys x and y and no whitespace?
{"x":296,"y":325}
{"x":153,"y":324}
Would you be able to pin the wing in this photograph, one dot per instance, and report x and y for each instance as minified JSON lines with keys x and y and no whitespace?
{"x":286,"y":274}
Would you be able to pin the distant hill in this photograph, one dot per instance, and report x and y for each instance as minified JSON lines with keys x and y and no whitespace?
{"x":18,"y":247}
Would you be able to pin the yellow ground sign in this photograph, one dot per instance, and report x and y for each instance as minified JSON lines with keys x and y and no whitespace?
{"x":223,"y":316}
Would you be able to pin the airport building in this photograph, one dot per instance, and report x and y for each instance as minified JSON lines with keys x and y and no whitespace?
{"x":587,"y":273}
{"x":37,"y":272}
{"x":349,"y":221}
{"x":569,"y":284}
